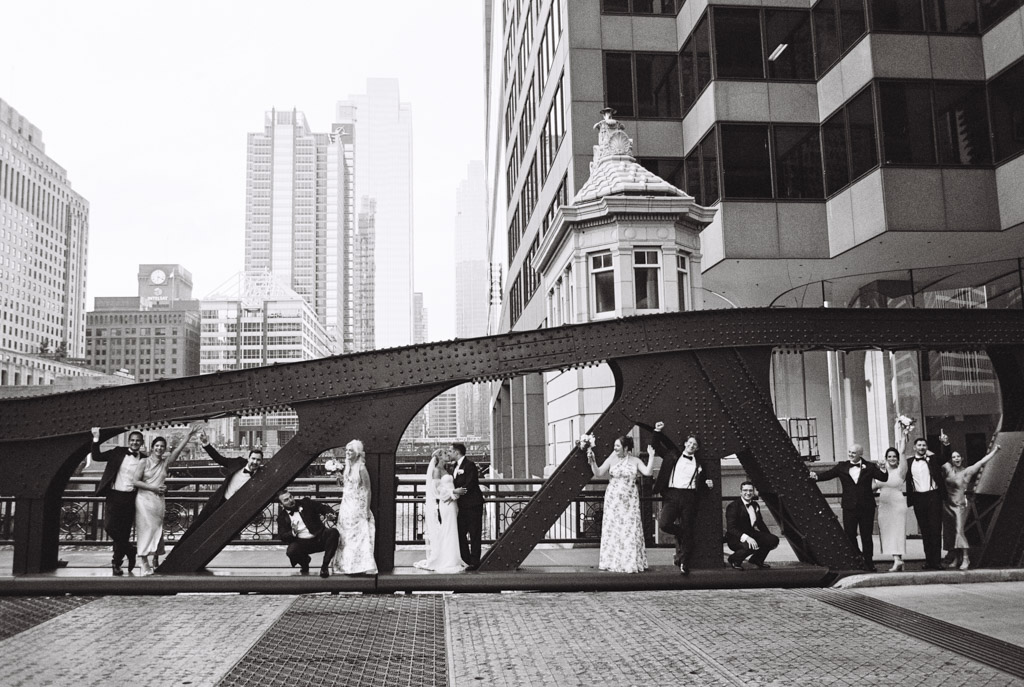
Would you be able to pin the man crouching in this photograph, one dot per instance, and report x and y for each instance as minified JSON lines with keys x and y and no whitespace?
{"x":300,"y":526}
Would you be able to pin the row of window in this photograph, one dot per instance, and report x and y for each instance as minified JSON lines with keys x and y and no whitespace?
{"x":774,"y":45}
{"x":895,"y":122}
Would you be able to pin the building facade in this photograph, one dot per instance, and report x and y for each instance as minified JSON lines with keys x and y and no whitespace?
{"x":254,"y":320}
{"x":299,"y":214}
{"x":151,"y":336}
{"x":857,"y":153}
{"x":382,"y":126}
{"x":44,"y":238}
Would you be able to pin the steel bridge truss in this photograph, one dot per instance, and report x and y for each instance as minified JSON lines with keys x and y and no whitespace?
{"x":705,"y":373}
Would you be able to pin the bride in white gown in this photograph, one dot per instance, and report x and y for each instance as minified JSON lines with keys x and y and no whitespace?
{"x":440,"y":528}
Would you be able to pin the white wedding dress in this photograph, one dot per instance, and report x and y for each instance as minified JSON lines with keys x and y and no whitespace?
{"x":440,"y":528}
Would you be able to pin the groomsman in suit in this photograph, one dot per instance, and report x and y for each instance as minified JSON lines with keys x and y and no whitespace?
{"x":680,"y":478}
{"x":746,"y":532}
{"x":926,"y":492}
{"x":858,"y":501}
{"x":471,"y":505}
{"x":300,"y":525}
{"x":236,"y":471}
{"x":118,"y":486}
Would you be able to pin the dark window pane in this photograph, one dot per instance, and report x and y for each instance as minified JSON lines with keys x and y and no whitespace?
{"x":746,"y":167}
{"x":615,"y":6}
{"x":668,"y":168}
{"x":709,"y":168}
{"x":835,"y":152}
{"x":788,"y":41}
{"x":798,"y":162}
{"x":1006,"y":98}
{"x":950,"y":16}
{"x":691,"y":170}
{"x":961,"y":125}
{"x":688,"y":75}
{"x":702,"y":52}
{"x":653,"y":7}
{"x":618,"y":82}
{"x":994,"y":10}
{"x":646,"y":288}
{"x":738,"y":44}
{"x":826,"y":34}
{"x":896,"y":15}
{"x":906,"y":110}
{"x":860,"y":114}
{"x":657,"y":85}
{"x":604,"y":291}
{"x":853,"y":23}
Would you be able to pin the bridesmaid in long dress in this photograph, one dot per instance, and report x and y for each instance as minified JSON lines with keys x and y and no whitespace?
{"x":355,"y":519}
{"x":149,"y":499}
{"x":892,"y":509}
{"x":622,"y":532}
{"x":957,"y":479}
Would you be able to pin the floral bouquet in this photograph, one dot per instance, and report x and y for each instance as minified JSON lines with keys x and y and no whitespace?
{"x":902,"y":428}
{"x":332,"y":466}
{"x":586,"y":442}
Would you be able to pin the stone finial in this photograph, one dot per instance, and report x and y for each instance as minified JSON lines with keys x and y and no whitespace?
{"x":611,"y":137}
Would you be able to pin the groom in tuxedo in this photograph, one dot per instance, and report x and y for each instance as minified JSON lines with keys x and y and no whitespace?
{"x":236,"y":471}
{"x":858,"y":500}
{"x":746,"y":531}
{"x":471,"y":505}
{"x":118,"y":486}
{"x":926,"y":492}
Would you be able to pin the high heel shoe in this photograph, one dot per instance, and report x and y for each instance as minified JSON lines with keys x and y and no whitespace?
{"x":897,"y":566}
{"x":966,"y":564}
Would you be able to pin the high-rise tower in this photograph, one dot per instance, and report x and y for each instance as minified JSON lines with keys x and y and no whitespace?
{"x":383,"y":172}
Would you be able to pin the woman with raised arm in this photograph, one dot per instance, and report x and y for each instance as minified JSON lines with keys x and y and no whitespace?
{"x":622,"y":531}
{"x":958,"y":478}
{"x":892,"y":508}
{"x":150,"y":486}
{"x":440,"y":519}
{"x":355,"y":519}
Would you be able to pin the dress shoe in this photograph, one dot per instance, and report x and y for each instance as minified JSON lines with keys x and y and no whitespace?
{"x":763,"y":566}
{"x":118,"y":571}
{"x":737,"y":566}
{"x":61,"y":563}
{"x":131,"y":561}
{"x":472,"y":568}
{"x":325,"y":573}
{"x":304,"y":570}
{"x":950,"y":557}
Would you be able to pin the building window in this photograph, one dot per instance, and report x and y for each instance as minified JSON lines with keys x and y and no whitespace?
{"x":695,"y":63}
{"x":993,"y":11}
{"x":642,"y":84}
{"x":602,"y":276}
{"x":961,"y":124}
{"x":668,"y":168}
{"x":849,"y":146}
{"x":790,"y":53}
{"x":669,"y":7}
{"x":553,"y":132}
{"x":797,"y":162}
{"x":701,"y":170}
{"x":646,"y":279}
{"x":683,"y":281}
{"x":896,"y":15}
{"x":907,"y":127}
{"x":746,"y":166}
{"x":738,"y":52}
{"x":838,"y":24}
{"x":951,"y":16}
{"x":1006,"y":100}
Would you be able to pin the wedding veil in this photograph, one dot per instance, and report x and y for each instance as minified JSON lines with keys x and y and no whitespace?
{"x":431,"y":519}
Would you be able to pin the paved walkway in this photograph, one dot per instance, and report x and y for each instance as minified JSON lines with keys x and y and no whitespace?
{"x":702,"y":637}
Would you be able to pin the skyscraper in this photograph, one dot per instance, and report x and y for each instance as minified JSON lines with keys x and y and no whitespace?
{"x":299,"y":214}
{"x":471,"y":289}
{"x":44,"y":237}
{"x":383,"y":171}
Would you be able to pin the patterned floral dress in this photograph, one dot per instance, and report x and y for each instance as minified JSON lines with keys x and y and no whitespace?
{"x":622,"y":533}
{"x":355,"y":548}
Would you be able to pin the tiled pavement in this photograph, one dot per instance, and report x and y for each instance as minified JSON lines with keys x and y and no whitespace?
{"x":702,"y":637}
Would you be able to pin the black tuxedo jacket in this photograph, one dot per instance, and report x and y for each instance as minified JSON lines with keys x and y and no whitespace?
{"x":669,"y":453}
{"x":935,"y":463}
{"x":468,"y":477}
{"x":113,"y":458}
{"x":312,"y":513}
{"x":857,"y":494}
{"x":229,"y":466}
{"x":737,"y":523}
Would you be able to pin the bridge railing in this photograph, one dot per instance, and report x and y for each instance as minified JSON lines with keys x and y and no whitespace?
{"x":82,"y":512}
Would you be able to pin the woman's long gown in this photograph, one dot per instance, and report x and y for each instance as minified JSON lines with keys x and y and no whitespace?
{"x":622,"y":533}
{"x":355,"y":547}
{"x":892,"y":512}
{"x":956,"y":488}
{"x":150,"y":507}
{"x":443,"y":553}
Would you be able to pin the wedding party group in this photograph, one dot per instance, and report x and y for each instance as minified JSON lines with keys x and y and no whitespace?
{"x":134,"y":487}
{"x":935,"y":486}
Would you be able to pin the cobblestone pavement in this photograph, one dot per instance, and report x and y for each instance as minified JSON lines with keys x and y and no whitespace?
{"x":714,"y":637}
{"x":177,"y":640}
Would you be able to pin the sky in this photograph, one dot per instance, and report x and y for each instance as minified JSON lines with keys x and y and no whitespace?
{"x":147,"y":106}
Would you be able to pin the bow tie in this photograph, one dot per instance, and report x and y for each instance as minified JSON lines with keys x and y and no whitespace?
{"x":133,"y":454}
{"x":924,"y":458}
{"x":248,"y":471}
